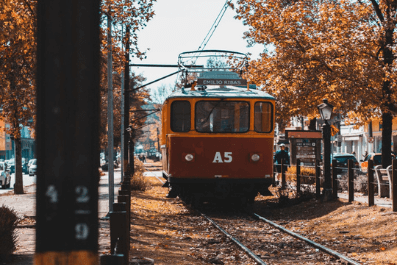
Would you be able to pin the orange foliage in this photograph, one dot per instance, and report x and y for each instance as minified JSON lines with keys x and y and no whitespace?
{"x":323,"y":49}
{"x":18,"y":65}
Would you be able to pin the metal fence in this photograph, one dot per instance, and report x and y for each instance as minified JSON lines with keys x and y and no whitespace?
{"x":341,"y":178}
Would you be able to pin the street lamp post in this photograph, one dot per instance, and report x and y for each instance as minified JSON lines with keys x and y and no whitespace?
{"x":325,"y":110}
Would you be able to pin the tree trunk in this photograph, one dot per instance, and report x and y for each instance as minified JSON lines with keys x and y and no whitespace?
{"x":387,"y":117}
{"x":18,"y":187}
{"x":386,"y":139}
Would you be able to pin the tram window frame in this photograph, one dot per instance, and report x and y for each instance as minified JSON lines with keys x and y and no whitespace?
{"x":241,"y":119}
{"x":184,"y":121}
{"x":271,"y":117}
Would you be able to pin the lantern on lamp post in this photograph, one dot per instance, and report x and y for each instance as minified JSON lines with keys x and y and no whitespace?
{"x":325,"y":110}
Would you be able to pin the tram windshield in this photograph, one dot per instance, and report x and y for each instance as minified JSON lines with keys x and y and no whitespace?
{"x":222,"y":116}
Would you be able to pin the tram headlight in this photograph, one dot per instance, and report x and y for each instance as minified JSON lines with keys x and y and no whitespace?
{"x":189,"y":157}
{"x":255,"y":157}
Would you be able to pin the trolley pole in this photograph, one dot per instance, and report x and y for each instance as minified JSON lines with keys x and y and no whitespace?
{"x":68,"y":52}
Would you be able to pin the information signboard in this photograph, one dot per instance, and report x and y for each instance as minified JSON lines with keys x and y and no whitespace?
{"x":305,"y":146}
{"x":306,"y":151}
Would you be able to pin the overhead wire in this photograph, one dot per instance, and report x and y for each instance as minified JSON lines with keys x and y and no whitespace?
{"x":211,"y":31}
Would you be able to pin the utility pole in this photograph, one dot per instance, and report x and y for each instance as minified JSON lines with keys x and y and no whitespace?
{"x":122,"y":127}
{"x":126,"y":167}
{"x":158,"y":140}
{"x":110,"y":116}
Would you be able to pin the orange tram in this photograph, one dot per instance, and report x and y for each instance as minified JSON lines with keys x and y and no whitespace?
{"x":217,"y":134}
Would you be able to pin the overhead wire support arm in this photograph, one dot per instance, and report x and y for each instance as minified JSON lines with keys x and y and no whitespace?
{"x":144,"y":110}
{"x":130,"y":90}
{"x":147,"y":115}
{"x":166,"y":65}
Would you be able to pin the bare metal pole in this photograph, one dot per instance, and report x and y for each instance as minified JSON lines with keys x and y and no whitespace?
{"x":110,"y":116}
{"x":126,"y":101}
{"x":122,"y":127}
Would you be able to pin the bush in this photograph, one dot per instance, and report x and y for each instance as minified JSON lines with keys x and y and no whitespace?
{"x":288,"y":197}
{"x":360,"y":183}
{"x":8,"y":238}
{"x":138,"y":181}
{"x":308,"y":175}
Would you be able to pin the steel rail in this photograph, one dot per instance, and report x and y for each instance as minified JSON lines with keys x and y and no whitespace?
{"x":323,"y":248}
{"x":158,"y":178}
{"x":257,"y":259}
{"x":249,"y":252}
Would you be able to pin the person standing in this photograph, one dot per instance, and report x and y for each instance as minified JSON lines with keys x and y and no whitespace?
{"x":281,"y":154}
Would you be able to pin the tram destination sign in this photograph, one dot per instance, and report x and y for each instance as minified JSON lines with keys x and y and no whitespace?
{"x":222,"y":82}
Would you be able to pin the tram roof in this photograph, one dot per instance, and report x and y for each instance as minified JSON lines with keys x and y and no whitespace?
{"x":221,"y":92}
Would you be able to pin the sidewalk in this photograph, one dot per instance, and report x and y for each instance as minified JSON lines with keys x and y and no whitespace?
{"x":25,"y":207}
{"x":358,"y":197}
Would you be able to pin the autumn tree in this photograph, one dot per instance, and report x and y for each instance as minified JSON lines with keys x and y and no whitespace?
{"x":17,"y":72}
{"x":150,"y":130}
{"x":125,"y":15}
{"x":336,"y":49}
{"x":18,"y":58}
{"x":159,"y":94}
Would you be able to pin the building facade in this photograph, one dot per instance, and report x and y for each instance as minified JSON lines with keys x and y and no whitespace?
{"x":7,"y":146}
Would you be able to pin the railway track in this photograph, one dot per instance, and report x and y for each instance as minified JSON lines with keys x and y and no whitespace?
{"x":150,"y":167}
{"x":269,"y":243}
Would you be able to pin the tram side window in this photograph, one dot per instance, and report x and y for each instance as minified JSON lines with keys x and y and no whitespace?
{"x":180,"y":116}
{"x":263,"y":117}
{"x":222,"y":116}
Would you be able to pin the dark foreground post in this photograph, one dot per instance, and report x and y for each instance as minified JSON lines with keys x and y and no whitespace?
{"x":350,"y":177}
{"x":318,"y":179}
{"x":118,"y":235}
{"x":282,"y":174}
{"x":298,"y":177}
{"x":393,"y":192}
{"x":67,"y":132}
{"x":334,"y":179}
{"x":371,"y":198}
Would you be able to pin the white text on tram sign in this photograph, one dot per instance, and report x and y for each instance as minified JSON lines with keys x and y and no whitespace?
{"x":227,"y":157}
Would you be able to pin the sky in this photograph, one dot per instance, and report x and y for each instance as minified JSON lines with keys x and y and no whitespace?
{"x":181,"y":25}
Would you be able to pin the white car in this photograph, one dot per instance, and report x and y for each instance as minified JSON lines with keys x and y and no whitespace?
{"x":33,"y":167}
{"x":5,"y":178}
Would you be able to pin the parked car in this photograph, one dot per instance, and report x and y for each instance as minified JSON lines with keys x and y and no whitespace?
{"x":11,"y":165}
{"x":105,"y":167}
{"x":376,"y":157}
{"x":32,"y":167}
{"x":154,"y":155}
{"x":5,"y":178}
{"x":30,"y":162}
{"x":342,"y":160}
{"x":25,"y":168}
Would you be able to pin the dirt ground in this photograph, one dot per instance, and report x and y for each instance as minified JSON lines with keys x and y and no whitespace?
{"x":169,"y":233}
